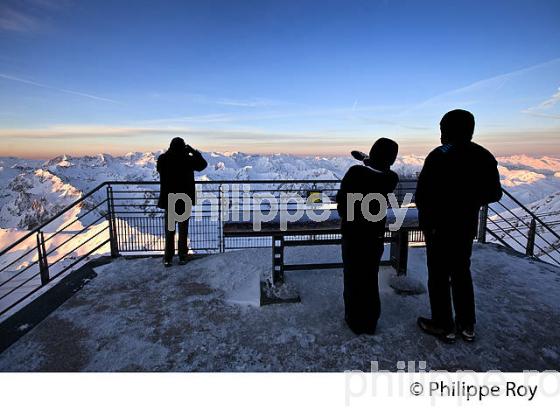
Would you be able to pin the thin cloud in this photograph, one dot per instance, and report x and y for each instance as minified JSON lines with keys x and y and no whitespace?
{"x":13,"y":20}
{"x":85,"y":131}
{"x":49,"y":4}
{"x":94,"y":131}
{"x":543,"y":110}
{"x":489,"y":84}
{"x":204,"y":119}
{"x":239,"y":118}
{"x":28,"y":16}
{"x":541,"y":114}
{"x":210,"y":136}
{"x":549,"y":103}
{"x":88,"y":138}
{"x":245,"y":103}
{"x":62,"y":90}
{"x":224,"y":101}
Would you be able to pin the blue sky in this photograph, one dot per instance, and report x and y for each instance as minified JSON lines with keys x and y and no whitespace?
{"x":304,"y":77}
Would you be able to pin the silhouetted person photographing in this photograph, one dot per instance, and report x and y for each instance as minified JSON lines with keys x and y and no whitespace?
{"x":362,"y":239}
{"x":176,"y":168}
{"x":458,"y":178}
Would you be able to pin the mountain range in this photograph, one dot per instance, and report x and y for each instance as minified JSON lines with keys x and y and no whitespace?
{"x":33,"y":190}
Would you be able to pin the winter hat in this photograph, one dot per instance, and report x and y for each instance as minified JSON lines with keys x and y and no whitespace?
{"x":457,"y":126}
{"x":382,"y":154}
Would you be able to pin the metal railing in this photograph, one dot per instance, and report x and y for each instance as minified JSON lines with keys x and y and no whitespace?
{"x":58,"y":245}
{"x":122,"y":218}
{"x":512,"y":224}
{"x":140,"y":224}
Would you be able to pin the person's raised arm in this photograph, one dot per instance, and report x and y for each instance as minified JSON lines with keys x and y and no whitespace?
{"x":197,"y":160}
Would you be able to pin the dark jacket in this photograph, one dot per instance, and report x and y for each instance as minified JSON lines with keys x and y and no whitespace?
{"x":456,"y":180}
{"x":364,"y":180}
{"x":176,"y":171}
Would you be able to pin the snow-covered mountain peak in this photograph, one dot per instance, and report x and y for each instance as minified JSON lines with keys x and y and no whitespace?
{"x":544,"y":164}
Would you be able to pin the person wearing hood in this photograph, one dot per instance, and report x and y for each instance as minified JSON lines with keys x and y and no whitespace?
{"x":457,"y":178}
{"x":176,"y":169}
{"x":362,"y":237}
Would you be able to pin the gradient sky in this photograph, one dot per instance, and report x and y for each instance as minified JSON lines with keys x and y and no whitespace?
{"x":303,"y":77}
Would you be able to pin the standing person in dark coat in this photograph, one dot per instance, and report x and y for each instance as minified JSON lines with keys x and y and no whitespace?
{"x":458,"y":178}
{"x":176,"y":168}
{"x":362,"y":240}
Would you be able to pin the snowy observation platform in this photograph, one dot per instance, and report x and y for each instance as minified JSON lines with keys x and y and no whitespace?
{"x":135,"y":315}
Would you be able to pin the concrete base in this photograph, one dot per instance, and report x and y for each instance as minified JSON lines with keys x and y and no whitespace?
{"x":284,"y":293}
{"x":405,"y":285}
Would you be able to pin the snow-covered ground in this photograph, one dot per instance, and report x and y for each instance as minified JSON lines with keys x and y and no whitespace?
{"x":137,"y":315}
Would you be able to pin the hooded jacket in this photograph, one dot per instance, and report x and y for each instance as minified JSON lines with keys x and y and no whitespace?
{"x":456,"y":180}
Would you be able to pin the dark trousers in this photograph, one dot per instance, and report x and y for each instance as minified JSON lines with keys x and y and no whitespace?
{"x":361,"y":255}
{"x":449,"y":275}
{"x":183,"y":245}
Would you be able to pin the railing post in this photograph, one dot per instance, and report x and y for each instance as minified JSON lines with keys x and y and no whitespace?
{"x":113,"y":239}
{"x":482,"y":224}
{"x":277,"y":260}
{"x":221,"y":219}
{"x":399,"y":251}
{"x":42,"y":259}
{"x":530,"y":249}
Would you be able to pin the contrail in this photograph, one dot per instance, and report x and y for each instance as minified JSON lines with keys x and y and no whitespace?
{"x":63,"y":90}
{"x":495,"y":82}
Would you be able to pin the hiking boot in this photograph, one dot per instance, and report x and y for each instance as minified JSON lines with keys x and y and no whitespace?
{"x":360,"y":330}
{"x":429,"y":327}
{"x":184,"y":259}
{"x":167,"y":264}
{"x":467,"y":333}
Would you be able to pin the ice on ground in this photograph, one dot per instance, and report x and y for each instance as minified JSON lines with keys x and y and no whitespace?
{"x":137,"y":315}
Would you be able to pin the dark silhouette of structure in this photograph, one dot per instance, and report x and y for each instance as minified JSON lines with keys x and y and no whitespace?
{"x":362,"y":239}
{"x":458,"y":178}
{"x":176,"y":168}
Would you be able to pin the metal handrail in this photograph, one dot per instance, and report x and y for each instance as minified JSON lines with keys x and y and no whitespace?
{"x":78,"y":218}
{"x":513,"y":227}
{"x":515,"y":217}
{"x":507,"y":233}
{"x":532,"y":234}
{"x":52,"y":219}
{"x":510,"y":196}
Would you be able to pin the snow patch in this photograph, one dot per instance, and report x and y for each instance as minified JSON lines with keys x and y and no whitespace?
{"x":235,"y":273}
